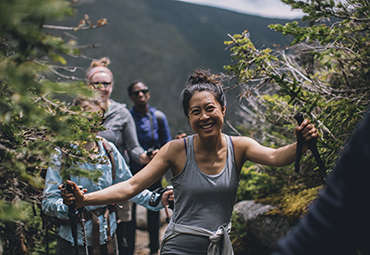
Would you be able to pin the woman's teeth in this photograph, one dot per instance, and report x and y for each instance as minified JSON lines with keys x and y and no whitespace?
{"x":207,"y":126}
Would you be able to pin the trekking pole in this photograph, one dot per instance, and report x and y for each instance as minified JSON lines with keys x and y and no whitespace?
{"x":170,"y":203}
{"x":47,"y":240}
{"x":72,"y":219}
{"x":167,"y":215}
{"x":83,"y":230}
{"x":311,"y":145}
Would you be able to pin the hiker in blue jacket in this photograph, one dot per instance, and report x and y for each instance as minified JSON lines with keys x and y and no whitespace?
{"x":52,"y":203}
{"x":153,"y":132}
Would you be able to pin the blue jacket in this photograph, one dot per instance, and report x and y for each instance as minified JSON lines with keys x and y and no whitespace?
{"x":52,"y":203}
{"x":152,"y":132}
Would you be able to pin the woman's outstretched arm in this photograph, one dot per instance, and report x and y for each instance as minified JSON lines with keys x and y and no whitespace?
{"x":249,"y":149}
{"x":127,"y":189}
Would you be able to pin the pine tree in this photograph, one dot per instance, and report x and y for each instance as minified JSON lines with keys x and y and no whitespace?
{"x":324,"y":73}
{"x":32,"y":121}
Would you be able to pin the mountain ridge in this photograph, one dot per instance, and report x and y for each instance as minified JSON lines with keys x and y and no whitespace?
{"x":162,"y":42}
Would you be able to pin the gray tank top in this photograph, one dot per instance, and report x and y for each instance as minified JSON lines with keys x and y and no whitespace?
{"x":202,"y":200}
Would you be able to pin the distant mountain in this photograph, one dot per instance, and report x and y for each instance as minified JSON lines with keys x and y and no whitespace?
{"x":162,"y":42}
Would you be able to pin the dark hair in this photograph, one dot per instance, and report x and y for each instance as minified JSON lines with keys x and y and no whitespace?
{"x":202,"y":80}
{"x":131,"y":86}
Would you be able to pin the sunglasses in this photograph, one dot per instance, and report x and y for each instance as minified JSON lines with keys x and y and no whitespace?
{"x":137,"y":92}
{"x":98,"y":84}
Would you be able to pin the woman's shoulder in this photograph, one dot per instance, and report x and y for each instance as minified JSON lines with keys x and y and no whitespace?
{"x":175,"y":147}
{"x":242,"y":141}
{"x":118,"y":107}
{"x":177,"y":143}
{"x":174,"y":153}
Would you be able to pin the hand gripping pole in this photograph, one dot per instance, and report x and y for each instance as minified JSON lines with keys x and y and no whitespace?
{"x":311,"y":145}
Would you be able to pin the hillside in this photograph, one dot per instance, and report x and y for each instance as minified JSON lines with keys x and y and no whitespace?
{"x":162,"y":42}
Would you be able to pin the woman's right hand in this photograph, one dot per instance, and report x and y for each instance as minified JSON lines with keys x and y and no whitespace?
{"x":77,"y":195}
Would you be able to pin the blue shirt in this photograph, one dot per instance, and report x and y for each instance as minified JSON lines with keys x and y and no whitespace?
{"x":151,"y":134}
{"x":52,"y":203}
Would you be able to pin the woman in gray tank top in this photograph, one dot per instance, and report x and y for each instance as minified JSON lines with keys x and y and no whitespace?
{"x":205,"y":169}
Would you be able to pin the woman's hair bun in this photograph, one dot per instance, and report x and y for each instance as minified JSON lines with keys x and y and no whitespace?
{"x":202,"y":76}
{"x":100,"y":62}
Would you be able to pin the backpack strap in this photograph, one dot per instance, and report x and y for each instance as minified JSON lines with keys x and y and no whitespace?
{"x":158,"y":115}
{"x":109,"y":151}
{"x":186,"y":148}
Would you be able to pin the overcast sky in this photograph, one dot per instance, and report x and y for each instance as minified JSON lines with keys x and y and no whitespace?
{"x":264,"y":8}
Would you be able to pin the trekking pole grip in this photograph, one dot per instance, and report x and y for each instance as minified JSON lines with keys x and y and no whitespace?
{"x":299,"y":118}
{"x":72,"y":218}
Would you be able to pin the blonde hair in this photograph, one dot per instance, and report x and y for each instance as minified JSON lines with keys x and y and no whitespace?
{"x":98,"y":66}
{"x":100,"y":62}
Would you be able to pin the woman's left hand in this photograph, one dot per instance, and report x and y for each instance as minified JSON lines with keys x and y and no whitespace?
{"x":308,"y":129}
{"x":167,"y":196}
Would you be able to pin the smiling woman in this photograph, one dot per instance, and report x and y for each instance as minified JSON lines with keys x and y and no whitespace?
{"x":205,"y":171}
{"x":205,"y":111}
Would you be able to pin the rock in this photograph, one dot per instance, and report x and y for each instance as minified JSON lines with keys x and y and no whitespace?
{"x":263,"y":230}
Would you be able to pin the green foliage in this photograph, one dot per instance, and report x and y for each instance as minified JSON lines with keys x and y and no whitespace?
{"x":250,"y":57}
{"x":324,"y":74}
{"x":293,"y":201}
{"x":32,"y":122}
{"x":238,"y":234}
{"x":27,"y":228}
{"x":16,"y":212}
{"x":254,"y":184}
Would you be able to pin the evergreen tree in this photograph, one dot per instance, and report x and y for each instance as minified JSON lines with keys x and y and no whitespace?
{"x":324,"y":73}
{"x":32,"y":121}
